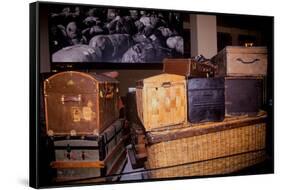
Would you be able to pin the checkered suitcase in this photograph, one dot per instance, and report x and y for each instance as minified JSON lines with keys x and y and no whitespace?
{"x":161,"y":101}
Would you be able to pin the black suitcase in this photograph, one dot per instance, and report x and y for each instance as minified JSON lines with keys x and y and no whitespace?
{"x":205,"y":99}
{"x":243,"y":95}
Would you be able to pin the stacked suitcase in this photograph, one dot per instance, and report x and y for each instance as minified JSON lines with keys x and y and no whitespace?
{"x":206,"y":121}
{"x":244,"y":69}
{"x":82,"y":121}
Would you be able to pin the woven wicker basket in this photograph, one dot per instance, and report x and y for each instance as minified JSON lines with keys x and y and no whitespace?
{"x":218,"y":166}
{"x":216,"y":140}
{"x":161,"y":101}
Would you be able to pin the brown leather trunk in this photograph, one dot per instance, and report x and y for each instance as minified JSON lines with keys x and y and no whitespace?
{"x":243,"y":95}
{"x":79,"y":103}
{"x":188,"y":68}
{"x":241,"y":61}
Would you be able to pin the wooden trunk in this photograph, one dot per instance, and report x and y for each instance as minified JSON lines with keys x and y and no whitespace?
{"x":79,"y":103}
{"x":241,"y":61}
{"x":243,"y":95}
{"x":207,"y":148}
{"x":205,"y":99}
{"x":90,"y":156}
{"x":188,"y":68}
{"x":161,"y":100}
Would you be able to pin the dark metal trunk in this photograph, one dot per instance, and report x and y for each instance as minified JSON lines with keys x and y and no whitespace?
{"x":243,"y":95}
{"x":205,"y":99}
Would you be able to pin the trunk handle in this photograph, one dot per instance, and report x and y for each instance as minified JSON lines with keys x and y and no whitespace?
{"x":109,"y":92}
{"x":166,"y":84}
{"x":247,"y":62}
{"x":65,"y":98}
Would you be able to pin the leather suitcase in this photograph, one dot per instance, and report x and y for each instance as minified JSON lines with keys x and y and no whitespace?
{"x":243,"y":95}
{"x":241,"y":61}
{"x":79,"y":103}
{"x":161,"y":100}
{"x":79,"y":158}
{"x":42,"y":78}
{"x":188,"y":68}
{"x":205,"y":99}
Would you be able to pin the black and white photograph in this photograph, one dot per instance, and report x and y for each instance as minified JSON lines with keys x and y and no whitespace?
{"x":114,"y":35}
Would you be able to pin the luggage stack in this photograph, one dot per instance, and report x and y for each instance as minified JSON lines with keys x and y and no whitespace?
{"x":82,"y":121}
{"x":244,"y":69}
{"x":216,"y":129}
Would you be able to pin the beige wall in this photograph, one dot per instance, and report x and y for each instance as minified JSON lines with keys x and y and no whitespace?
{"x":203,"y":30}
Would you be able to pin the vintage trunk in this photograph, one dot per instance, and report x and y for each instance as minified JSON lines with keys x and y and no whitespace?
{"x":207,"y":148}
{"x":188,"y":68}
{"x":42,"y":78}
{"x":79,"y":103}
{"x":161,"y":100}
{"x":241,"y":61}
{"x":243,"y":95}
{"x":205,"y":99}
{"x":80,"y":158}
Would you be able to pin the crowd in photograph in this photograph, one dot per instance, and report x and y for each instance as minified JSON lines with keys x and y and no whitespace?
{"x":86,"y":34}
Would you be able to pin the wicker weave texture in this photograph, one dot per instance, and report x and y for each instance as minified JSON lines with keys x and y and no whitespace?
{"x":161,"y":101}
{"x":217,"y":166}
{"x":208,"y":146}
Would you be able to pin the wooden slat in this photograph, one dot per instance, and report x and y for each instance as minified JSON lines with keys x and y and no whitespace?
{"x":116,"y":165}
{"x":117,"y":148}
{"x":202,"y":129}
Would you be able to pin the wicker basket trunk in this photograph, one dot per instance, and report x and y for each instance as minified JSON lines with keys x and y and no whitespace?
{"x":207,"y":149}
{"x":218,"y":166}
{"x":161,"y":101}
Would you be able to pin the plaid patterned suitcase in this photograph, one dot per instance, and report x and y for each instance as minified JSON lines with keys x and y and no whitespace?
{"x":161,"y":100}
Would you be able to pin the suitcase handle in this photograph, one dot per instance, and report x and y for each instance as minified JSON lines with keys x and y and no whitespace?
{"x":70,"y":98}
{"x":109,"y":94}
{"x":247,"y":62}
{"x":166,"y":84}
